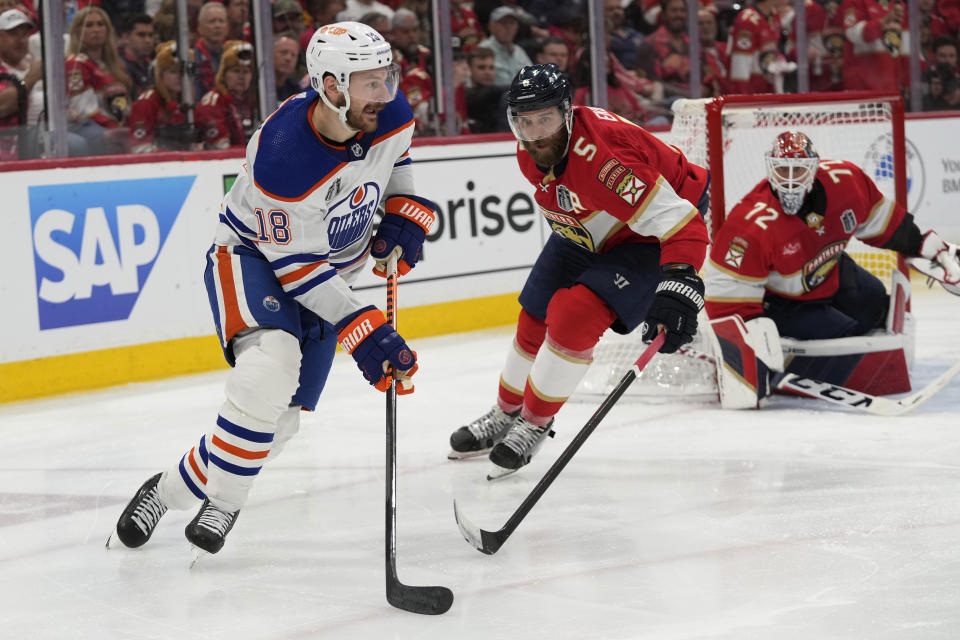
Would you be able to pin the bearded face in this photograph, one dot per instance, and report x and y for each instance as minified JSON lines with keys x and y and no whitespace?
{"x":549,"y":151}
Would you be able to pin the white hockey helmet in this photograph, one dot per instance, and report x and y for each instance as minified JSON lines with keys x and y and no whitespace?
{"x":344,"y":48}
{"x":791,"y":169}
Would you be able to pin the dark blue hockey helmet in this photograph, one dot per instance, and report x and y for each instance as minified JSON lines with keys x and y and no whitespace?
{"x":538,"y":87}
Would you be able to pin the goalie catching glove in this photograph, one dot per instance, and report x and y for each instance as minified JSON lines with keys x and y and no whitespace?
{"x":377,"y":347}
{"x":939,"y":260}
{"x":405,"y":224}
{"x":678,"y":301}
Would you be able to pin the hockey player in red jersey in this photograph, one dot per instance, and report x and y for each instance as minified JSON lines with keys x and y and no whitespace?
{"x":294,"y":231}
{"x":628,"y":241}
{"x":780,"y":252}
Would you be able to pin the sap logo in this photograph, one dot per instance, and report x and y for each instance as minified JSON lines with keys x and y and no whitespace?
{"x":96,"y":243}
{"x":349,"y":219}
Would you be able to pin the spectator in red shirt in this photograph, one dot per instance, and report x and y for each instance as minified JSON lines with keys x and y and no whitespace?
{"x":225,"y":113}
{"x":156,"y":120}
{"x":665,"y":53}
{"x":212,"y":28}
{"x":97,"y":84}
{"x":238,"y":20}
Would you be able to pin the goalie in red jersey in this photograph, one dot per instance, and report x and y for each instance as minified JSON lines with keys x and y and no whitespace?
{"x":780,"y":254}
{"x":629,"y":239}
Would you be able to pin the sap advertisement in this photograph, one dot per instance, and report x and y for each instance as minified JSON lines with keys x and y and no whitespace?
{"x":111,"y":256}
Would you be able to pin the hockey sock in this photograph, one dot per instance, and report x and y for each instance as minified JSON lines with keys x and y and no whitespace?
{"x":513,"y":378}
{"x":576,"y":318}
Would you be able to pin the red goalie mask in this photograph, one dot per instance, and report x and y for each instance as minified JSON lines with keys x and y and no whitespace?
{"x":791,"y":167}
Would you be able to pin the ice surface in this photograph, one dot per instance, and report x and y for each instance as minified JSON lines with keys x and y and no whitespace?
{"x":673,"y":522}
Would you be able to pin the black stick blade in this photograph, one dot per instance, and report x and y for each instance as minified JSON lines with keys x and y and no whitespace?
{"x":483,"y":541}
{"x":429,"y":601}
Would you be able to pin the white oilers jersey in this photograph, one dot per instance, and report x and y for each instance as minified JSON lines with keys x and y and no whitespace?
{"x":308,"y":205}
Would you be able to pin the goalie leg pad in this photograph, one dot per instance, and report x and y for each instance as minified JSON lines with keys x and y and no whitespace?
{"x":742,"y":377}
{"x":513,"y":379}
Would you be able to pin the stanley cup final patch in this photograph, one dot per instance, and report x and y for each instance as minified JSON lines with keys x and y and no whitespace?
{"x":564,"y":200}
{"x":849,"y":221}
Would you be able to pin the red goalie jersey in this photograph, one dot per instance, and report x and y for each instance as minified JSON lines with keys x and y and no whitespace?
{"x":620,"y":184}
{"x":760,"y":249}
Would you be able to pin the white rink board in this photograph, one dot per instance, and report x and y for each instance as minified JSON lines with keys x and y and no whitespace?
{"x":160,"y":218}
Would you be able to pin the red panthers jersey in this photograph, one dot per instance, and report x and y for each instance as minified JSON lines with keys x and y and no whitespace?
{"x":752,"y":37}
{"x":150,"y":111}
{"x":872,"y":58}
{"x":219,"y":120}
{"x":620,"y":184}
{"x":760,"y":249}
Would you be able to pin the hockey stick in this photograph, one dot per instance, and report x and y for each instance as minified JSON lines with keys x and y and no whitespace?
{"x":876,"y":405}
{"x":425,"y":600}
{"x":489,"y":542}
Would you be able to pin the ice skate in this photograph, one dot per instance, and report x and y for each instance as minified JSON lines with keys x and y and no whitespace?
{"x":140,"y":517}
{"x":208,"y":530}
{"x":517,"y":448}
{"x":478,"y":437}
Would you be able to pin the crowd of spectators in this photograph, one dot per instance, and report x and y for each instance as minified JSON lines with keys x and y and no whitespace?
{"x":124,"y":78}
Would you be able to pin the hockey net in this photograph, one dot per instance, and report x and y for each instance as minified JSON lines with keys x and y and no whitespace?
{"x":729,"y":135}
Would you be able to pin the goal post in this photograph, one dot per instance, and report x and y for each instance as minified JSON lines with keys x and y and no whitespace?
{"x":729,"y":135}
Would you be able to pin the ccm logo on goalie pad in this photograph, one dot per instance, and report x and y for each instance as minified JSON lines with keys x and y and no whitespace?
{"x":815,"y":389}
{"x":359,"y":329}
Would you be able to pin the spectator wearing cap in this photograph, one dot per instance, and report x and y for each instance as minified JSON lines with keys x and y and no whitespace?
{"x":286,"y":51}
{"x":225,"y":115}
{"x":238,"y":20}
{"x":356,"y":9}
{"x":287,"y":19}
{"x":212,"y":31}
{"x":509,"y":58}
{"x":156,"y":120}
{"x":136,"y":48}
{"x":97,"y":83}
{"x":21,"y":82}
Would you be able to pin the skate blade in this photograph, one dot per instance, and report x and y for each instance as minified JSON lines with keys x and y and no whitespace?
{"x":497,"y":472}
{"x":198,"y":553}
{"x":466,"y":455}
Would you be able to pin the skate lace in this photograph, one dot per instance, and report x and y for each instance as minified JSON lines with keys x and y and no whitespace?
{"x":490,"y":424}
{"x":147,"y":513}
{"x":524,"y":436}
{"x":215,"y":520}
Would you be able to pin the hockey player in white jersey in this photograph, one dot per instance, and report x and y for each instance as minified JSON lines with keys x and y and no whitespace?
{"x":294,"y":231}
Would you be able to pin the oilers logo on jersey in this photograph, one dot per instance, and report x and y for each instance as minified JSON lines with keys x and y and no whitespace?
{"x":349,"y":219}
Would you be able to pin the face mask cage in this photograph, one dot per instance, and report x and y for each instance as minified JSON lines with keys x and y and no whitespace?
{"x":791,"y":179}
{"x":530,"y":126}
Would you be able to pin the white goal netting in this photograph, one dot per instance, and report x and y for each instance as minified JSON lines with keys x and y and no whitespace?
{"x":859,"y":131}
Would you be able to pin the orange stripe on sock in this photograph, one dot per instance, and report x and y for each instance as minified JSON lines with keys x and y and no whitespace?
{"x":195,"y":467}
{"x":237,"y":451}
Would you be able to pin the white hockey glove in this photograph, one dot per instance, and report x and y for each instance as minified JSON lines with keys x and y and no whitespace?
{"x":939,"y":260}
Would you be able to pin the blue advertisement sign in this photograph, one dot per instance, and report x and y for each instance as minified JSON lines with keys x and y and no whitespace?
{"x":94,"y":245}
